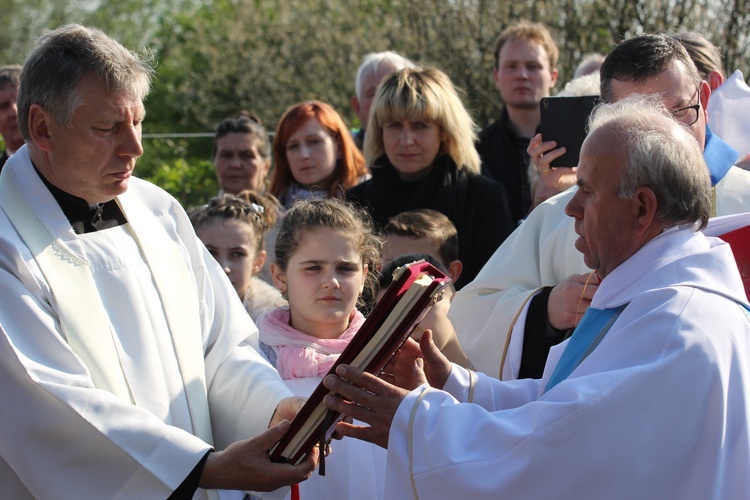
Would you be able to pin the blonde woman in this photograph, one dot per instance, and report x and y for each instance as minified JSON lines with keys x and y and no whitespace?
{"x":420,"y":150}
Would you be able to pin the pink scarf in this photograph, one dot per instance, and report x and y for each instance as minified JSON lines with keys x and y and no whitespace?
{"x":300,"y":355}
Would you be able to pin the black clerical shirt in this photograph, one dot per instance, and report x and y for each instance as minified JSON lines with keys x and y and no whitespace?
{"x":86,"y":218}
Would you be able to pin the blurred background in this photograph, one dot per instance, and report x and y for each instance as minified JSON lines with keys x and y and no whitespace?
{"x":214,"y":58}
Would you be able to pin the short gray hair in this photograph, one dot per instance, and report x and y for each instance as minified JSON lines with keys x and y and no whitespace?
{"x":372,"y":62}
{"x":62,"y":57}
{"x":662,"y":155}
{"x":581,"y":86}
{"x":589,"y":64}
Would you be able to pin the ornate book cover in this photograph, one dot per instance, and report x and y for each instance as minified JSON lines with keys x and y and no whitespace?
{"x":415,"y":287}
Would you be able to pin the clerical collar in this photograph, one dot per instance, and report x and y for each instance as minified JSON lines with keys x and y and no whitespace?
{"x":86,"y":218}
{"x":719,"y":156}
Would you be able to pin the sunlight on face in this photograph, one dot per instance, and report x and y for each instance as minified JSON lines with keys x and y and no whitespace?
{"x":411,"y":146}
{"x":323,"y":280}
{"x":312,"y":154}
{"x":239,"y":164}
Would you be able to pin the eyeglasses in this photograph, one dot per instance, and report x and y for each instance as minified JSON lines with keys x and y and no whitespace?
{"x":689,"y":114}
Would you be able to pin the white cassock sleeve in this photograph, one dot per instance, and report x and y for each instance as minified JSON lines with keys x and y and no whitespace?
{"x":650,"y":413}
{"x":540,"y":252}
{"x":64,"y":439}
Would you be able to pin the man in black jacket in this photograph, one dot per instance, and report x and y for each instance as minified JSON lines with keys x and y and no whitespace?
{"x":525,"y":71}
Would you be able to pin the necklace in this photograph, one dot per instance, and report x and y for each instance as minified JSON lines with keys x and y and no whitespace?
{"x":580,"y":299}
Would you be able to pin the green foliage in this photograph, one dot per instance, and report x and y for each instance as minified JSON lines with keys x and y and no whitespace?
{"x":184,"y":171}
{"x":191,"y":183}
{"x":217,"y":57}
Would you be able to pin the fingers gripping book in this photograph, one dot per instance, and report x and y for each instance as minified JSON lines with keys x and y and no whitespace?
{"x":414,"y":289}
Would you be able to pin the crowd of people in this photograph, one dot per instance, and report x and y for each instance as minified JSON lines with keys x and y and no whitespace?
{"x":596,"y":330}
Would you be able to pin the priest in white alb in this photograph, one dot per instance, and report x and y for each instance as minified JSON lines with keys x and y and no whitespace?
{"x":650,"y":396}
{"x":126,"y":357}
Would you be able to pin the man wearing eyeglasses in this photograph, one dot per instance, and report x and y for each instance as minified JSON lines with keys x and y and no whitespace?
{"x":536,"y":287}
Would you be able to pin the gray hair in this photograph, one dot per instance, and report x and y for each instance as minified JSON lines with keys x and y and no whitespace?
{"x":581,"y":86}
{"x":372,"y":63}
{"x":61,"y":58}
{"x":589,"y":64}
{"x":662,"y":155}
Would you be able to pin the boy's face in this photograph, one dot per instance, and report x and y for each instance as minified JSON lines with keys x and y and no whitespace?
{"x":395,"y":246}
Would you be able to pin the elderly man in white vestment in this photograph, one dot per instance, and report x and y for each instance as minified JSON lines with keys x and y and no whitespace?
{"x":536,"y":286}
{"x":125,"y":355}
{"x":649,"y":398}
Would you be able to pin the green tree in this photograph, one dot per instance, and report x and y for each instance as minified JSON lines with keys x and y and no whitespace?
{"x":216,"y":58}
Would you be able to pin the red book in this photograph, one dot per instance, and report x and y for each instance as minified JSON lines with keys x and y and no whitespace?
{"x":415,"y":287}
{"x":739,"y":242}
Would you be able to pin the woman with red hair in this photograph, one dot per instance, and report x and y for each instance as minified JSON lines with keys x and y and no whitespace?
{"x":314,"y":154}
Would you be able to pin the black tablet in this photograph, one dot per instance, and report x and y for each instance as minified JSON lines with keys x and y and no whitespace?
{"x":564,"y":120}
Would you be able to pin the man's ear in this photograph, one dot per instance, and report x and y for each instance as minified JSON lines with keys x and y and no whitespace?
{"x":454,"y":269}
{"x":279,"y":278}
{"x":714,"y":79}
{"x":39,"y":121}
{"x":646,"y":206}
{"x":704,"y":94}
{"x":496,"y":77}
{"x":553,"y":80}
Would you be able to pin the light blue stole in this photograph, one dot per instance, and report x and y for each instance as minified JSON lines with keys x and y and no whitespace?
{"x":590,"y":331}
{"x":719,"y":156}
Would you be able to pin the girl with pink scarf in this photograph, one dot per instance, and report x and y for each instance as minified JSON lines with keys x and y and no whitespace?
{"x":326,"y":251}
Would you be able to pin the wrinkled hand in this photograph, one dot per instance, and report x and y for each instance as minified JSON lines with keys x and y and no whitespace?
{"x":569,"y":300}
{"x":436,"y":366}
{"x":551,"y":180}
{"x":287,"y":409}
{"x":366,"y":398}
{"x":245,"y":465}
